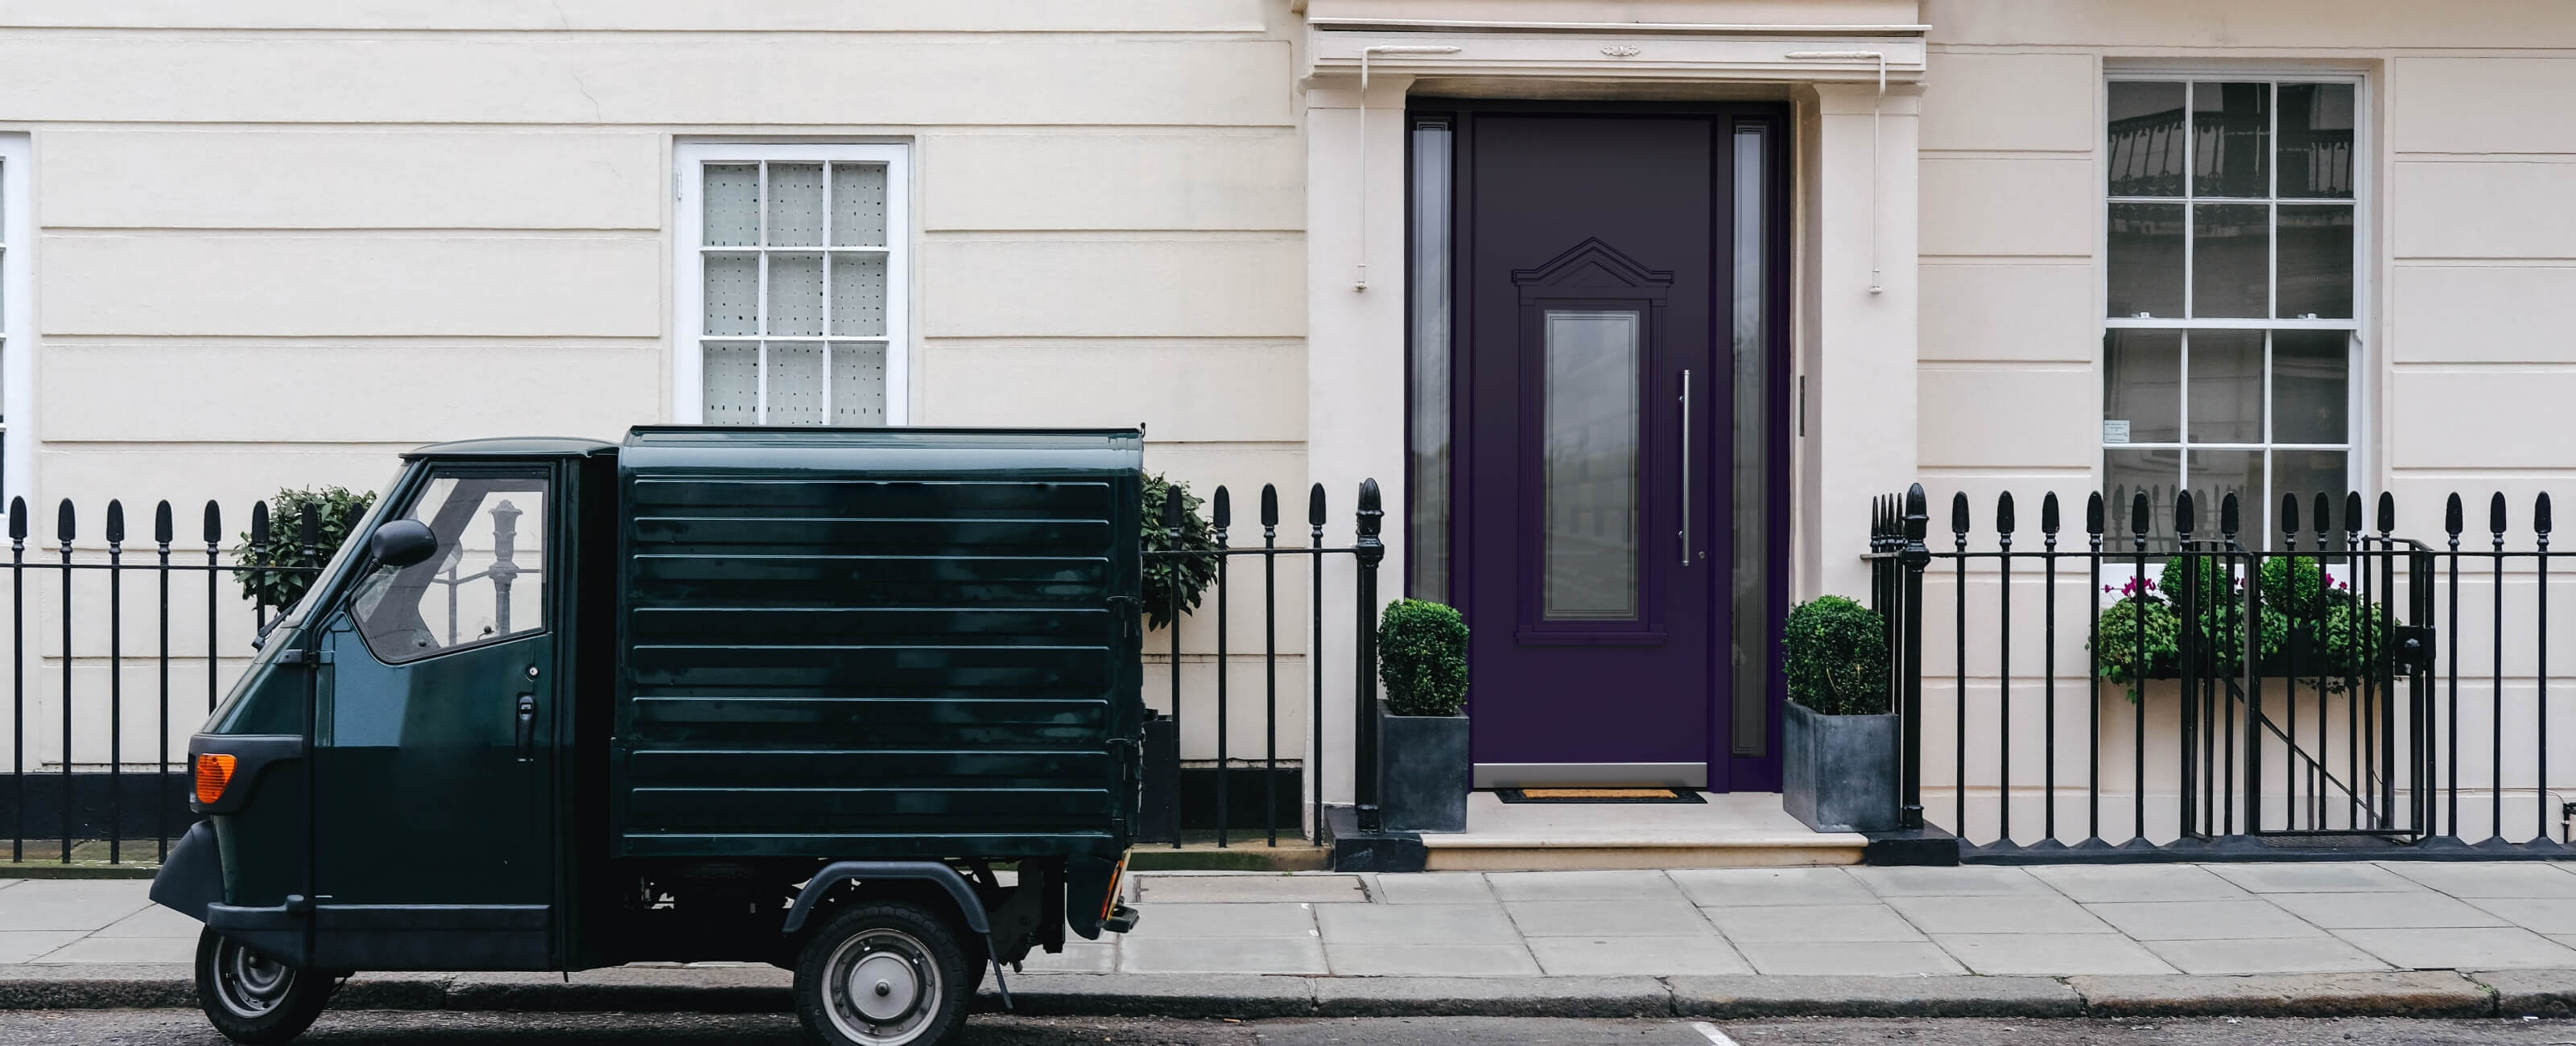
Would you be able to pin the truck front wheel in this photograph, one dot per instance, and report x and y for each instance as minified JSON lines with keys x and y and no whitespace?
{"x":252,"y":999}
{"x":884,"y":973}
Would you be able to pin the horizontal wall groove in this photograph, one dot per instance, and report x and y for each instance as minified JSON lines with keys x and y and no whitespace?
{"x":96,"y":232}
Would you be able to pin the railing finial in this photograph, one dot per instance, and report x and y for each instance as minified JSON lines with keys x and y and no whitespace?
{"x":2453,"y":519}
{"x":162,"y":528}
{"x":2387,"y":513}
{"x":2185,"y":520}
{"x":2230,"y":515}
{"x":2004,"y":514}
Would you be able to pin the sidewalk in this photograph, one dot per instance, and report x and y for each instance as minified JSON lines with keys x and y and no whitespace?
{"x":2341,"y":938}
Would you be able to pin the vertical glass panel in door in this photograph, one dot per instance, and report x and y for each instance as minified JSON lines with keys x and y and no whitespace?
{"x":1428,"y":499}
{"x":1589,"y":450}
{"x":1750,"y":565}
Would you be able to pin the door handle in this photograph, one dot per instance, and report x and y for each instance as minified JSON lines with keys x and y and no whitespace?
{"x":527,"y":728}
{"x":1686,"y":468}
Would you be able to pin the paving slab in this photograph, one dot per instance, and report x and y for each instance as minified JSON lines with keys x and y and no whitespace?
{"x":1861,"y":996}
{"x":1642,"y":956}
{"x":1492,"y":997}
{"x":125,"y":950}
{"x":27,"y":945}
{"x":1962,"y":881}
{"x":2393,"y":994}
{"x":1632,"y":918}
{"x":1432,"y":888}
{"x":1820,"y":923}
{"x":1077,"y":957}
{"x":2531,"y":993}
{"x":70,"y":904}
{"x":2319,"y":954}
{"x":2124,"y":883}
{"x":1165,"y":995}
{"x":2547,"y":915}
{"x":153,"y":921}
{"x":2375,"y":911}
{"x":1430,"y":960}
{"x":1583,"y":886}
{"x":1875,"y":958}
{"x":1236,"y":889}
{"x":2317,"y":877}
{"x":2474,"y":948}
{"x":1416,"y":924}
{"x":2202,"y":920}
{"x":1286,"y":955}
{"x":2482,"y":879}
{"x":1741,"y":887}
{"x":1226,"y":920}
{"x":2025,"y":914}
{"x":2050,"y":954}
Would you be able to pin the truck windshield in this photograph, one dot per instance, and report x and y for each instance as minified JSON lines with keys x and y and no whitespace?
{"x":486,"y":582}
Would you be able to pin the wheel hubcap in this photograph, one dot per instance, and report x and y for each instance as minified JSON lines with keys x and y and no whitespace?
{"x":883,"y":987}
{"x":248,"y":983}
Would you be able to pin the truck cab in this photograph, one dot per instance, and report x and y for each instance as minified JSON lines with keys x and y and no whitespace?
{"x":860,"y":703}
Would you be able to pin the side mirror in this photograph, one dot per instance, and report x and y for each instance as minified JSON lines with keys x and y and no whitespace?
{"x":402,"y":543}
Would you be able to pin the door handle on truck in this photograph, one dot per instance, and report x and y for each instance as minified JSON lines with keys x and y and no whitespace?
{"x":527,"y":728}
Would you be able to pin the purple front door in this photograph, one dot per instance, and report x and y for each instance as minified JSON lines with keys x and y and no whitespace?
{"x":1592,"y":305}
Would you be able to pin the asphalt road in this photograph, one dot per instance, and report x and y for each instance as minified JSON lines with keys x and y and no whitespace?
{"x":440,"y":1028}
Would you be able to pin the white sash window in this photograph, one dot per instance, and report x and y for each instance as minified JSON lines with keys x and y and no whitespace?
{"x":791,"y":284}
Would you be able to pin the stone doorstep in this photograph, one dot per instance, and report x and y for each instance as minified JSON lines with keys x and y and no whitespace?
{"x":764,"y":989}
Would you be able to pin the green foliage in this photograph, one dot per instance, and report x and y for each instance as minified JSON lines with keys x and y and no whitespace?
{"x":1422,"y":657}
{"x":339,"y":509}
{"x":1168,"y":577}
{"x":2297,"y":585}
{"x":2355,"y":639}
{"x":2140,"y":639}
{"x":1837,"y":657}
{"x":2217,"y":580}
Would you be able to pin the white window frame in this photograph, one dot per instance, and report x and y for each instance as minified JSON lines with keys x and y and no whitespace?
{"x":17,"y":317}
{"x":2358,"y":466}
{"x":688,"y":273}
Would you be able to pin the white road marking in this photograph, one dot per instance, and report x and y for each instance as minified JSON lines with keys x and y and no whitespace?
{"x":1710,"y":1030}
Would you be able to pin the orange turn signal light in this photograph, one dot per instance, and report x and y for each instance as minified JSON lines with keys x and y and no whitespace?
{"x":214,"y":772}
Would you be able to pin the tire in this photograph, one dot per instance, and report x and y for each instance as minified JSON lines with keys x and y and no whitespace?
{"x":884,"y":973}
{"x":254,"y":1000}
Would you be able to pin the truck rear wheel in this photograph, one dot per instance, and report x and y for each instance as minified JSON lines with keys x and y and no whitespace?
{"x":884,"y":973}
{"x":252,"y":999}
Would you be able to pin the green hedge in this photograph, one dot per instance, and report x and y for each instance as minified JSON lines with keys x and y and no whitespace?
{"x":1837,"y":657}
{"x":1422,"y":657}
{"x":339,"y":509}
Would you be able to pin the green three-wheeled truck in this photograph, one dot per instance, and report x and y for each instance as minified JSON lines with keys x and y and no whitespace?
{"x":859,"y":703}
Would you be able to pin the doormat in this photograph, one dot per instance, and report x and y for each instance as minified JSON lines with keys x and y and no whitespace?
{"x":1598,"y":795}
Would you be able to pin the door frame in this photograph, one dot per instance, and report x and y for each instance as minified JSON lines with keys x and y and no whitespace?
{"x":1727,"y":770}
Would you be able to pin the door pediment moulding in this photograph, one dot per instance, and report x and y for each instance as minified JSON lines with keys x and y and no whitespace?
{"x":1673,"y":41}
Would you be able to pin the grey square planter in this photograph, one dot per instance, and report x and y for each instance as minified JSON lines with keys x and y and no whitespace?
{"x":1423,"y":772}
{"x":1838,"y":772}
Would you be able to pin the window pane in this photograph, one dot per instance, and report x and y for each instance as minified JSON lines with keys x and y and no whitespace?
{"x":732,"y":296}
{"x":1428,"y":497}
{"x":858,"y":383}
{"x":2146,"y":260}
{"x":2226,"y":386}
{"x":732,"y":206}
{"x":796,"y":204}
{"x":2310,"y":398}
{"x":2316,"y":140}
{"x":486,"y":581}
{"x":2146,"y":139}
{"x":858,"y":295}
{"x":795,"y":383}
{"x":2231,"y":259}
{"x":730,"y":379}
{"x":2141,"y":386}
{"x":795,"y":294}
{"x":2308,"y":473}
{"x":1590,"y":465}
{"x":858,"y":205}
{"x":2232,"y":132}
{"x":2215,"y":474}
{"x":2128,"y":473}
{"x":2316,"y":261}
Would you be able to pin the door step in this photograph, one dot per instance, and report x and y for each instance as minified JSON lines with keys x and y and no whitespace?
{"x":1731,"y":830}
{"x":1443,"y":854}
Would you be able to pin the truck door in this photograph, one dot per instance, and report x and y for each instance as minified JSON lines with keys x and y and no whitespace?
{"x":434,"y":800}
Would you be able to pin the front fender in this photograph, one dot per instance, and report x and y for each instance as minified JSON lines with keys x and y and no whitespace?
{"x":192,"y":877}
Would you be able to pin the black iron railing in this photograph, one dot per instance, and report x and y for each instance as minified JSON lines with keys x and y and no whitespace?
{"x":97,"y":807}
{"x":1204,"y":799}
{"x":2223,"y":688}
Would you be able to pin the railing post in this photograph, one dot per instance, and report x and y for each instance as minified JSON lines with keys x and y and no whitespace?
{"x":1369,"y":552}
{"x":1915,"y":557}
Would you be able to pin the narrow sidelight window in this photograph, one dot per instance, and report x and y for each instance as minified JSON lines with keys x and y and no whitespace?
{"x":1753,"y":614}
{"x":791,"y":284}
{"x":1427,"y":491}
{"x":2233,"y":324}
